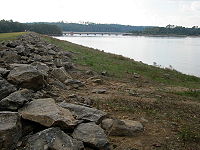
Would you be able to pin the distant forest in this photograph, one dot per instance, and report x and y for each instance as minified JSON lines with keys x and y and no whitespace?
{"x":94,"y":27}
{"x":7,"y":26}
{"x":170,"y":30}
{"x":56,"y":28}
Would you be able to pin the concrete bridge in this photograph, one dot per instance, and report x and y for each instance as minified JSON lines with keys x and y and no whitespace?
{"x":95,"y":33}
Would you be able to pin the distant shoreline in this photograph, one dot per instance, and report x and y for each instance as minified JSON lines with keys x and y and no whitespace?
{"x":152,"y":35}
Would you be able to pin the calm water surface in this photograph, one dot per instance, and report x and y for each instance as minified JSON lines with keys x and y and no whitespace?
{"x":183,"y":54}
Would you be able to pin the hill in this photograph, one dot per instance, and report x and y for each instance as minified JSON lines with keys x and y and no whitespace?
{"x":94,"y":27}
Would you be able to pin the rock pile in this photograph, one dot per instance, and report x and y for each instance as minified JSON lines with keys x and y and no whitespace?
{"x":31,"y":119}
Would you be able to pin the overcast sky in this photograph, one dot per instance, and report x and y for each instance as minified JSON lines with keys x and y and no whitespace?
{"x":132,"y":12}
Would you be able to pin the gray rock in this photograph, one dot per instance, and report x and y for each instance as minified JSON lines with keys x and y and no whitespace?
{"x":51,"y":52}
{"x":58,"y":62}
{"x":8,"y":56}
{"x":4,"y":72}
{"x":89,"y":72}
{"x":54,"y":139}
{"x":47,"y":58}
{"x":37,"y":57}
{"x":60,"y":74}
{"x":68,"y":65}
{"x":84,"y":113}
{"x":47,"y":113}
{"x":43,"y":68}
{"x":6,"y":88}
{"x":11,"y":44}
{"x":15,"y":100}
{"x":74,"y":83}
{"x":104,"y":73}
{"x":117,"y":127}
{"x":99,"y":91}
{"x":21,"y":50}
{"x":27,"y":76}
{"x":92,"y":135}
{"x":99,"y":81}
{"x":10,"y":130}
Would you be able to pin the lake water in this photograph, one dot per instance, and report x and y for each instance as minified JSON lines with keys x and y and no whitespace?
{"x":182,"y":53}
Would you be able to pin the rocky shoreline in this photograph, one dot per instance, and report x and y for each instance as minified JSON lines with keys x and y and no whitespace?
{"x":35,"y":111}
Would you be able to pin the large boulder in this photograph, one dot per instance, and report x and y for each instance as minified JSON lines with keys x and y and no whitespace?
{"x":116,"y":127}
{"x":27,"y":76}
{"x":52,"y":139}
{"x":92,"y":135}
{"x":15,"y":100}
{"x":47,"y":113}
{"x":84,"y":113}
{"x":6,"y":88}
{"x":10,"y":130}
{"x":60,"y":74}
{"x":43,"y":68}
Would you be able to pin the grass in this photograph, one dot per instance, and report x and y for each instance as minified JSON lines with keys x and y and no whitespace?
{"x":10,"y":36}
{"x":189,"y":93}
{"x":124,"y":68}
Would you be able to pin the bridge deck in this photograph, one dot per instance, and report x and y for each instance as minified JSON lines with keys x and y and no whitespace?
{"x":95,"y":33}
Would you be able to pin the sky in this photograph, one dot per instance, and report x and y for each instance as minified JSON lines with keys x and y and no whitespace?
{"x":127,"y":12}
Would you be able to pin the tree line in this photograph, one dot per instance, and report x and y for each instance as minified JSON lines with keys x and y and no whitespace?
{"x":7,"y":26}
{"x":95,"y":27}
{"x":170,"y":30}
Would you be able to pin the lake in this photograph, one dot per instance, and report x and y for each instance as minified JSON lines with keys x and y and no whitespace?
{"x":182,"y":53}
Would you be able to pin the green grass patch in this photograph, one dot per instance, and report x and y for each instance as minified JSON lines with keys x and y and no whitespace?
{"x":10,"y":36}
{"x":189,"y":93}
{"x":122,"y":68}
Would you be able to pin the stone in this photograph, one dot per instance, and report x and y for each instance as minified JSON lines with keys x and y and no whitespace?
{"x":4,"y":72}
{"x":89,"y":72}
{"x":58,"y":62}
{"x":52,"y":139}
{"x":37,"y":57}
{"x":51,"y":52}
{"x":8,"y":56}
{"x":84,"y":113}
{"x":99,"y":81}
{"x":15,"y":100}
{"x":68,"y":65}
{"x":99,"y":91}
{"x":27,"y":76}
{"x":10,"y":130}
{"x":43,"y":68}
{"x":6,"y":88}
{"x":115,"y":127}
{"x":74,"y":82}
{"x":11,"y":44}
{"x":60,"y":74}
{"x":104,"y":73}
{"x":47,"y":113}
{"x":92,"y":135}
{"x":21,"y":50}
{"x":47,"y":58}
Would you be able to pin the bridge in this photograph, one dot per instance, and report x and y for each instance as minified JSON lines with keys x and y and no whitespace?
{"x":95,"y":33}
